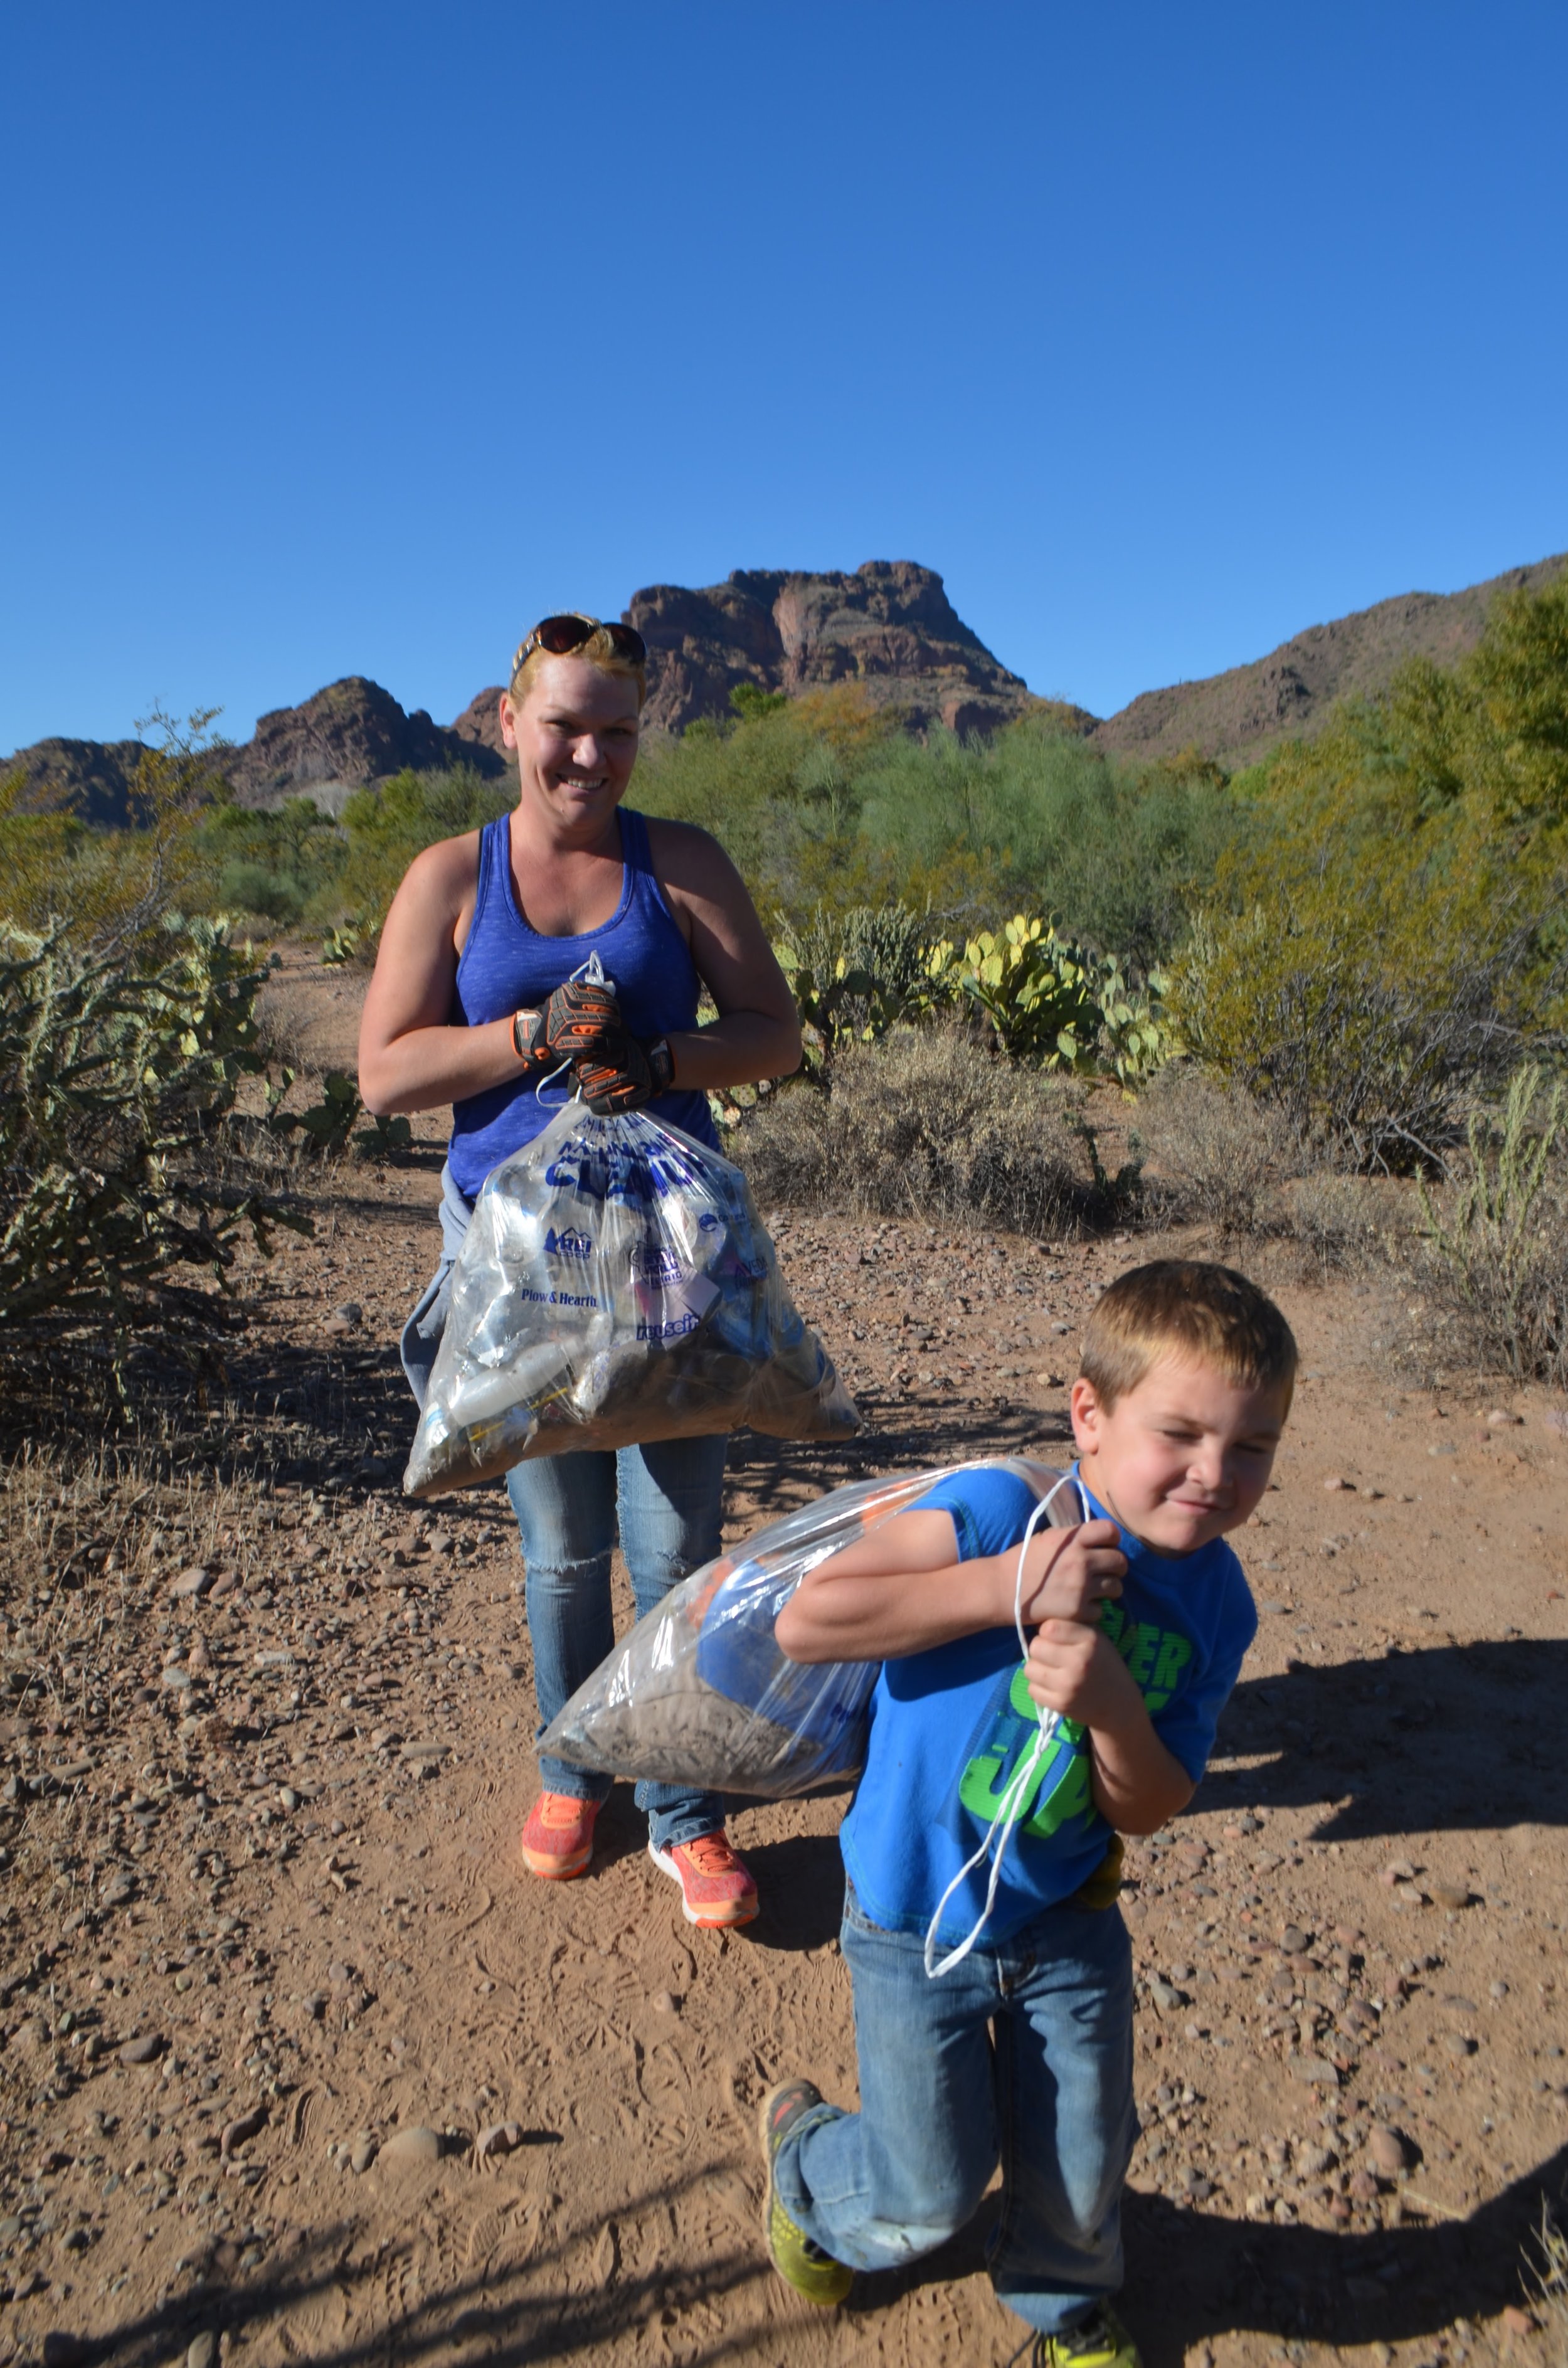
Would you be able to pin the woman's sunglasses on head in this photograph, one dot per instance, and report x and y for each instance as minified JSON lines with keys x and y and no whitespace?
{"x":559,"y":636}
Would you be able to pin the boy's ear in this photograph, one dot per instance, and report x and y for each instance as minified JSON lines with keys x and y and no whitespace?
{"x":1086,"y":1412}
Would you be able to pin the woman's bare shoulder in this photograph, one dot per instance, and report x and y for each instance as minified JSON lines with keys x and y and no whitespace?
{"x":443,"y":875}
{"x":690,"y":861}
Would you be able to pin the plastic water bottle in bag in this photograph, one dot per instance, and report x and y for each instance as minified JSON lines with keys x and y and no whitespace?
{"x":616,"y":1286}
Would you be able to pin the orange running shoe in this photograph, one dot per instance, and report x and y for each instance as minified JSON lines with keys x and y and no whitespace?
{"x":558,"y":1841}
{"x":717,"y":1887}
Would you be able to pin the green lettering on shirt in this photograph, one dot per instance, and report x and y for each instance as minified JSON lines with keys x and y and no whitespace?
{"x":1174,"y":1653}
{"x":1141,"y":1659}
{"x":982,"y":1795}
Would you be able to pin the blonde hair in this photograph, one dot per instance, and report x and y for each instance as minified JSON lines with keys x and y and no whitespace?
{"x":1194,"y":1312}
{"x":597,"y":649}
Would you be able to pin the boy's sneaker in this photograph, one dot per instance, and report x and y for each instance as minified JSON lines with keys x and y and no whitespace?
{"x":717,"y":1887}
{"x":1098,"y":2342}
{"x":558,"y":1841}
{"x":798,"y":2260}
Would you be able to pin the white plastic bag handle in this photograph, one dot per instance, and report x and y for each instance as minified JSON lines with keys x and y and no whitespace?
{"x":593,"y":970}
{"x":1009,"y":1809}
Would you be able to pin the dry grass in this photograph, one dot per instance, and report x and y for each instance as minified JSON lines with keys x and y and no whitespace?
{"x":1546,"y":2278}
{"x":1217,"y":1157}
{"x":1334,"y":1223}
{"x":927,"y":1122}
{"x":1495,"y":1243}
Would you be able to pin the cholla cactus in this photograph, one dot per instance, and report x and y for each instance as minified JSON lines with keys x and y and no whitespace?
{"x":116,"y":1068}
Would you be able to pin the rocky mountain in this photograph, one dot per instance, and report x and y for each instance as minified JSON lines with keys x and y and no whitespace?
{"x":353,"y":731}
{"x":91,"y":778}
{"x":889,"y":628}
{"x":1239,"y":715}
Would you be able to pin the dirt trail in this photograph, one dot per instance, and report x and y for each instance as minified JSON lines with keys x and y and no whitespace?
{"x":270,"y":1826}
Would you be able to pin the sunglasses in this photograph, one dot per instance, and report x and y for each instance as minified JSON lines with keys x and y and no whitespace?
{"x":560,"y":635}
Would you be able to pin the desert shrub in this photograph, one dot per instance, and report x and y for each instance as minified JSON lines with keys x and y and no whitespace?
{"x":281,"y":865}
{"x":1365,"y":987}
{"x":270,"y":895}
{"x":1333,"y":1222}
{"x":824,"y":801}
{"x":1116,"y":852}
{"x":1497,"y":1244}
{"x":1215,"y":1155}
{"x":1388,"y":940}
{"x":926,"y":1121}
{"x":386,"y":827}
{"x":116,"y":885}
{"x":118,"y":1068}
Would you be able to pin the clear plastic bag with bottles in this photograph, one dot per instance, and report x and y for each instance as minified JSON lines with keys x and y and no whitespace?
{"x":616,"y":1286}
{"x":700,"y":1693}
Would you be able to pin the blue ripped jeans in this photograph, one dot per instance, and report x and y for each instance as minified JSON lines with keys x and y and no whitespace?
{"x":1022,"y":2054}
{"x":667,"y":1499}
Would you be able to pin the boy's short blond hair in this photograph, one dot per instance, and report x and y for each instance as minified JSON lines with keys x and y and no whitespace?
{"x":1195,"y":1313}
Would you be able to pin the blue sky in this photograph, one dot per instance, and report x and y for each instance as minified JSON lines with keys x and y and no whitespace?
{"x":350,"y":339}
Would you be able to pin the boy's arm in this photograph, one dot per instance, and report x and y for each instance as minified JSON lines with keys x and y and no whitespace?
{"x":1078,"y":1671}
{"x":903,"y":1589}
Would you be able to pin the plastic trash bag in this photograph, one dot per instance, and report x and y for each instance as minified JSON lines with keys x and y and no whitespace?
{"x":699,"y":1693}
{"x":616,"y":1285}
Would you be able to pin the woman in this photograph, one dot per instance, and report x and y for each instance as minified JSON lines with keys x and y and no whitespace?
{"x":473,"y":1002}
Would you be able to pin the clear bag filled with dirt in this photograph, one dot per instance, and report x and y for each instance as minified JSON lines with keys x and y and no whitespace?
{"x":699,"y":1693}
{"x":616,"y":1285}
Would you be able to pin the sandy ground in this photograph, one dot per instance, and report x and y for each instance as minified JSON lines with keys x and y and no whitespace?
{"x":264,"y":1917}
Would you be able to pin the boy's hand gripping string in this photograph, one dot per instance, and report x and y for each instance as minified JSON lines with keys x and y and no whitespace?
{"x":1011,"y":1807}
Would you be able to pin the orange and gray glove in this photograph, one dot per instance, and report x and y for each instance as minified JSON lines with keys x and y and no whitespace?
{"x":623,"y":1073}
{"x":577,"y":1018}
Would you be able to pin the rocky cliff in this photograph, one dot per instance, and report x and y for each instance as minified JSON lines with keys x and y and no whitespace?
{"x":890,"y":628}
{"x":91,"y":779}
{"x":353,"y":731}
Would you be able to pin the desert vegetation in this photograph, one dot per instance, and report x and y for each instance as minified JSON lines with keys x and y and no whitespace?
{"x":1265,"y":991}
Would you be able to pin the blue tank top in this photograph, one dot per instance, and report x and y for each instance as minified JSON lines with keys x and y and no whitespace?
{"x":506,"y":966}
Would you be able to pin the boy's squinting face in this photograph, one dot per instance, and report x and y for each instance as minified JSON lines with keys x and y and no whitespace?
{"x":1182,"y":1457}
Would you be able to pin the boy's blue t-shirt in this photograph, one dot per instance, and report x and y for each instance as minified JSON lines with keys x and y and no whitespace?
{"x":950,"y":1726}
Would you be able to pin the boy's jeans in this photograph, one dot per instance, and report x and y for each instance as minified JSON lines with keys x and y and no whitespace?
{"x":1024,"y":2053}
{"x":668,"y":1499}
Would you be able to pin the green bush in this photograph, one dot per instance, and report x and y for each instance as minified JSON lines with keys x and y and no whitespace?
{"x":825,"y":803}
{"x":272,"y":896}
{"x":1116,"y":852}
{"x":385,"y":829}
{"x":282,"y":865}
{"x":1364,"y":984}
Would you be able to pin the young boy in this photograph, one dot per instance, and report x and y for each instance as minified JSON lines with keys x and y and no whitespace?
{"x":1141,"y":1616}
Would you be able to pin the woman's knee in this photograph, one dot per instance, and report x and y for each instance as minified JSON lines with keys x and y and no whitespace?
{"x":565,"y":1511}
{"x":671,"y":1509}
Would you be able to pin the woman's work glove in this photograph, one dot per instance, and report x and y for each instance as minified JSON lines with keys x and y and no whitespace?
{"x":579,"y":1017}
{"x":624,"y":1075}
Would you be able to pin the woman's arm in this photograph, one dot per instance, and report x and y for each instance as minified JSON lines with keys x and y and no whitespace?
{"x":758,"y":1032}
{"x":411,"y":1057}
{"x":903,"y":1590}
